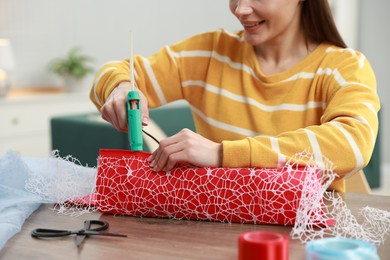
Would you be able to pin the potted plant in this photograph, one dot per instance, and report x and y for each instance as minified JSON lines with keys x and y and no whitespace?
{"x":73,"y":68}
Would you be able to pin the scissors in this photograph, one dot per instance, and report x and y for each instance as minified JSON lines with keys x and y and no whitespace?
{"x":88,"y":230}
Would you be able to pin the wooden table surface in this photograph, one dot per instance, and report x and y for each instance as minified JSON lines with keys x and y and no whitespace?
{"x":152,"y":238}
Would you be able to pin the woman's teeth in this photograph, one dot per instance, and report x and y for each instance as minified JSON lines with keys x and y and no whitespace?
{"x":253,"y":24}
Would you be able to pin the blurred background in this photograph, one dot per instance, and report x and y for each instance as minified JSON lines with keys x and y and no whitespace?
{"x":40,"y":31}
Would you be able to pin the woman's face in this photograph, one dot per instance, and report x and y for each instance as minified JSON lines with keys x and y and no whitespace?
{"x":267,"y":21}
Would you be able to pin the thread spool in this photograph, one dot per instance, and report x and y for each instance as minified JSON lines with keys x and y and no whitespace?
{"x":340,"y":248}
{"x":266,"y":245}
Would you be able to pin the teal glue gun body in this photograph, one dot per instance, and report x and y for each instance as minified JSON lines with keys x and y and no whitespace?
{"x":134,"y":121}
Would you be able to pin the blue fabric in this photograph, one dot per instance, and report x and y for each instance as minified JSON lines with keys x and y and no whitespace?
{"x":27,"y":182}
{"x":16,"y":203}
{"x":15,"y":207}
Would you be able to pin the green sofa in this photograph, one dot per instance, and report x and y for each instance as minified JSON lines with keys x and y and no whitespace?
{"x":83,"y":135}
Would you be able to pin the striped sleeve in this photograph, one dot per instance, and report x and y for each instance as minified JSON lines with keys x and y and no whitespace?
{"x":148,"y":78}
{"x":159,"y":76}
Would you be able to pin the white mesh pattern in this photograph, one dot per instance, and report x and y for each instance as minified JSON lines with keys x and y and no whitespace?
{"x":341,"y":222}
{"x":60,"y":181}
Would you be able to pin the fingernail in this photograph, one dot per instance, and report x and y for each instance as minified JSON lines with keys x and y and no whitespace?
{"x":152,"y":164}
{"x":145,"y":120}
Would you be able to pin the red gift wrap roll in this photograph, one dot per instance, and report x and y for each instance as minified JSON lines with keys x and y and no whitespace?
{"x":126,"y":185}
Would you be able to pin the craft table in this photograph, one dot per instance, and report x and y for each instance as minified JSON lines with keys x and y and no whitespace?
{"x":152,"y":238}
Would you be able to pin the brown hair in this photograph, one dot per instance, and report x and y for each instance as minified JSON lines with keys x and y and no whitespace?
{"x":318,"y":23}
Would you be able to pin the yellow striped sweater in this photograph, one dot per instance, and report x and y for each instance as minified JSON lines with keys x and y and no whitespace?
{"x":326,"y":104}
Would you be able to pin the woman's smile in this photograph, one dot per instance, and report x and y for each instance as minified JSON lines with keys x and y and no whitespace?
{"x":252,"y":26}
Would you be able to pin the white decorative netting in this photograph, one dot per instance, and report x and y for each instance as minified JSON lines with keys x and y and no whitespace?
{"x":60,"y":180}
{"x":374,"y":227}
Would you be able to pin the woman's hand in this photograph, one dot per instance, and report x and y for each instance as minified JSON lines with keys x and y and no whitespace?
{"x":186,"y":147}
{"x":114,"y":110}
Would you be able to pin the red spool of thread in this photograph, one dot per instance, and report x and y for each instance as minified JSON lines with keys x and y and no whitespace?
{"x":265,"y":245}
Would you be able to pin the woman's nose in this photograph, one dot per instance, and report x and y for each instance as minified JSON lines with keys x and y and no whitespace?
{"x":243,"y":7}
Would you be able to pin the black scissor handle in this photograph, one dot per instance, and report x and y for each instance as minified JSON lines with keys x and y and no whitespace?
{"x":43,"y":232}
{"x":101,"y":225}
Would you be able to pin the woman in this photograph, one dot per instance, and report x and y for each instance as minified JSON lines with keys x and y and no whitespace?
{"x":284,"y":84}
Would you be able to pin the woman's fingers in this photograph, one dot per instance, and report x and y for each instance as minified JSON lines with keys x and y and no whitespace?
{"x":168,"y":156}
{"x":144,"y":109}
{"x":186,"y":147}
{"x":114,"y":110}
